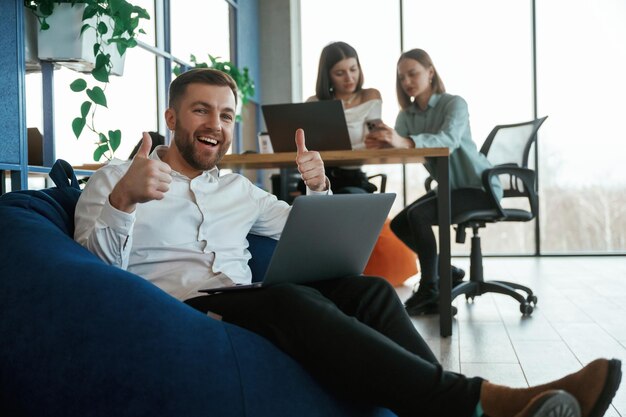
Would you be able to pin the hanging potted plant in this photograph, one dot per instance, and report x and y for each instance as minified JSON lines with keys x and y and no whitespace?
{"x":245,"y":85}
{"x":105,"y":30}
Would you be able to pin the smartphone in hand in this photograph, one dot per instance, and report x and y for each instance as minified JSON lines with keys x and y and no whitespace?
{"x":373,"y":124}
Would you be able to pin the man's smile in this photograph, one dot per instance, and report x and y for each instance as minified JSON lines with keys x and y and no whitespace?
{"x":208,"y":140}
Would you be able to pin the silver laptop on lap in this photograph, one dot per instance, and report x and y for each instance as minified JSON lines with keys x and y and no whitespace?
{"x":325,"y":237}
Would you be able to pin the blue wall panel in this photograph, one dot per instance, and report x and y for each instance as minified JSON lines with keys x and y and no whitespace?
{"x":11,"y":82}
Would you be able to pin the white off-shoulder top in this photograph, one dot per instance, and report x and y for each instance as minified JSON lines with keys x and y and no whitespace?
{"x":357,"y":116}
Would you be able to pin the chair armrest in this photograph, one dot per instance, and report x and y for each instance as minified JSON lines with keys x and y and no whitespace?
{"x":428,"y":183}
{"x":522,"y":183}
{"x":383,"y":181}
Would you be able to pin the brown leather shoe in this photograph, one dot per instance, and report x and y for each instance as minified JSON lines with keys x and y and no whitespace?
{"x":594,"y":387}
{"x":555,"y":403}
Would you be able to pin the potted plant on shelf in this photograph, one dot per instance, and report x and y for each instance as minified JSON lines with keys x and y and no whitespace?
{"x":107,"y":28}
{"x":245,"y":85}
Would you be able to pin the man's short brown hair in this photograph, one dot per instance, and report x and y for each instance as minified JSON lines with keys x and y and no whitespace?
{"x":202,"y":76}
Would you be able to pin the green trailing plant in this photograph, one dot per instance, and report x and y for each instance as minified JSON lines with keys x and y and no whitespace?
{"x":245,"y":84}
{"x":113,"y":22}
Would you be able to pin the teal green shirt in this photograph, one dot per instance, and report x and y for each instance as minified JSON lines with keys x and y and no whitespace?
{"x":445,"y":124}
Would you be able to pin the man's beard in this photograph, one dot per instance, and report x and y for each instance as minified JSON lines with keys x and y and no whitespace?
{"x":189,"y":154}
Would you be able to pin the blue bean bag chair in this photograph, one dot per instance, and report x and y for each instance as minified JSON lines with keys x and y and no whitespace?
{"x":81,"y":338}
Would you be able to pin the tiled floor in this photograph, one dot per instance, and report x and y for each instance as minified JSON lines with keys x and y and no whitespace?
{"x":580,"y":315}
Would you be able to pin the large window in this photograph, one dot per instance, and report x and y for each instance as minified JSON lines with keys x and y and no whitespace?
{"x":131,"y":108}
{"x":200,"y":28}
{"x":483,"y":52}
{"x":581,"y":84}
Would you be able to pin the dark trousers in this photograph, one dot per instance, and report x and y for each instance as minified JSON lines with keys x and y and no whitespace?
{"x":414,"y":224}
{"x":353,"y":335}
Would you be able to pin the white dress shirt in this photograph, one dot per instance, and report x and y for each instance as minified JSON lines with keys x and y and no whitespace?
{"x":194,"y":238}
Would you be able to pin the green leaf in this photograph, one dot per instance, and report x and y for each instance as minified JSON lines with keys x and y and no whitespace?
{"x":101,"y":74}
{"x":77,"y":126}
{"x":121,"y":48}
{"x":96,"y":48}
{"x":84,"y":28}
{"x":133,"y":24}
{"x":78,"y":85}
{"x":102,"y":138}
{"x":45,"y":25}
{"x":90,"y":11}
{"x":102,"y":68}
{"x":102,"y":28}
{"x":141,"y":12}
{"x":100,"y":150}
{"x":102,"y":60}
{"x":115,"y":138}
{"x":46,"y":8}
{"x":97,"y":96}
{"x":84,"y":108}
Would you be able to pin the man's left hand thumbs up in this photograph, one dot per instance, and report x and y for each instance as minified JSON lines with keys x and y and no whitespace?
{"x":310,"y":165}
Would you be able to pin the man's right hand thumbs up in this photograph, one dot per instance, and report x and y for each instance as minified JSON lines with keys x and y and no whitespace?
{"x":146,"y":180}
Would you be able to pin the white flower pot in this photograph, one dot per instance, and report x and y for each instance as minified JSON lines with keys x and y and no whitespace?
{"x":63,"y":43}
{"x":31,"y":26}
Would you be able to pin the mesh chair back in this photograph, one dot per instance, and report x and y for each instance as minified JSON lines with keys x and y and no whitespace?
{"x":511,"y":144}
{"x":507,"y":144}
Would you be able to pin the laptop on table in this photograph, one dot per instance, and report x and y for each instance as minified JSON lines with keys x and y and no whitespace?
{"x":325,"y":237}
{"x":324,"y":124}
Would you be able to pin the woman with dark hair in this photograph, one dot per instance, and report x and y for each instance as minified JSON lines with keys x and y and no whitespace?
{"x":340,"y":77}
{"x":430,"y":117}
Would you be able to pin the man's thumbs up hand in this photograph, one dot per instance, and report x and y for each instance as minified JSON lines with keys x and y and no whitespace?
{"x":300,"y":145}
{"x":146,"y":145}
{"x":146,"y":180}
{"x":310,"y":165}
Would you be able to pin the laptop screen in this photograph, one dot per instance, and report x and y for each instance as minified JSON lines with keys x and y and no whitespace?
{"x":328,"y":236}
{"x":324,"y":124}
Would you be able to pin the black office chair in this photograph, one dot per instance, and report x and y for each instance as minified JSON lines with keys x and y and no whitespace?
{"x":508,"y":149}
{"x":383,"y":181}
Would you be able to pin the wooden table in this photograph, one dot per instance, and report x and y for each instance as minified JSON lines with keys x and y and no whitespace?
{"x":378,"y":157}
{"x":335,"y":158}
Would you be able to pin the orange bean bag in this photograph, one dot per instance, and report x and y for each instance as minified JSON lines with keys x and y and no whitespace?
{"x":391,"y":259}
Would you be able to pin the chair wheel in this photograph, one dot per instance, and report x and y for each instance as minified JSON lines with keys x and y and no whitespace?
{"x":526,"y":309}
{"x":532,"y":299}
